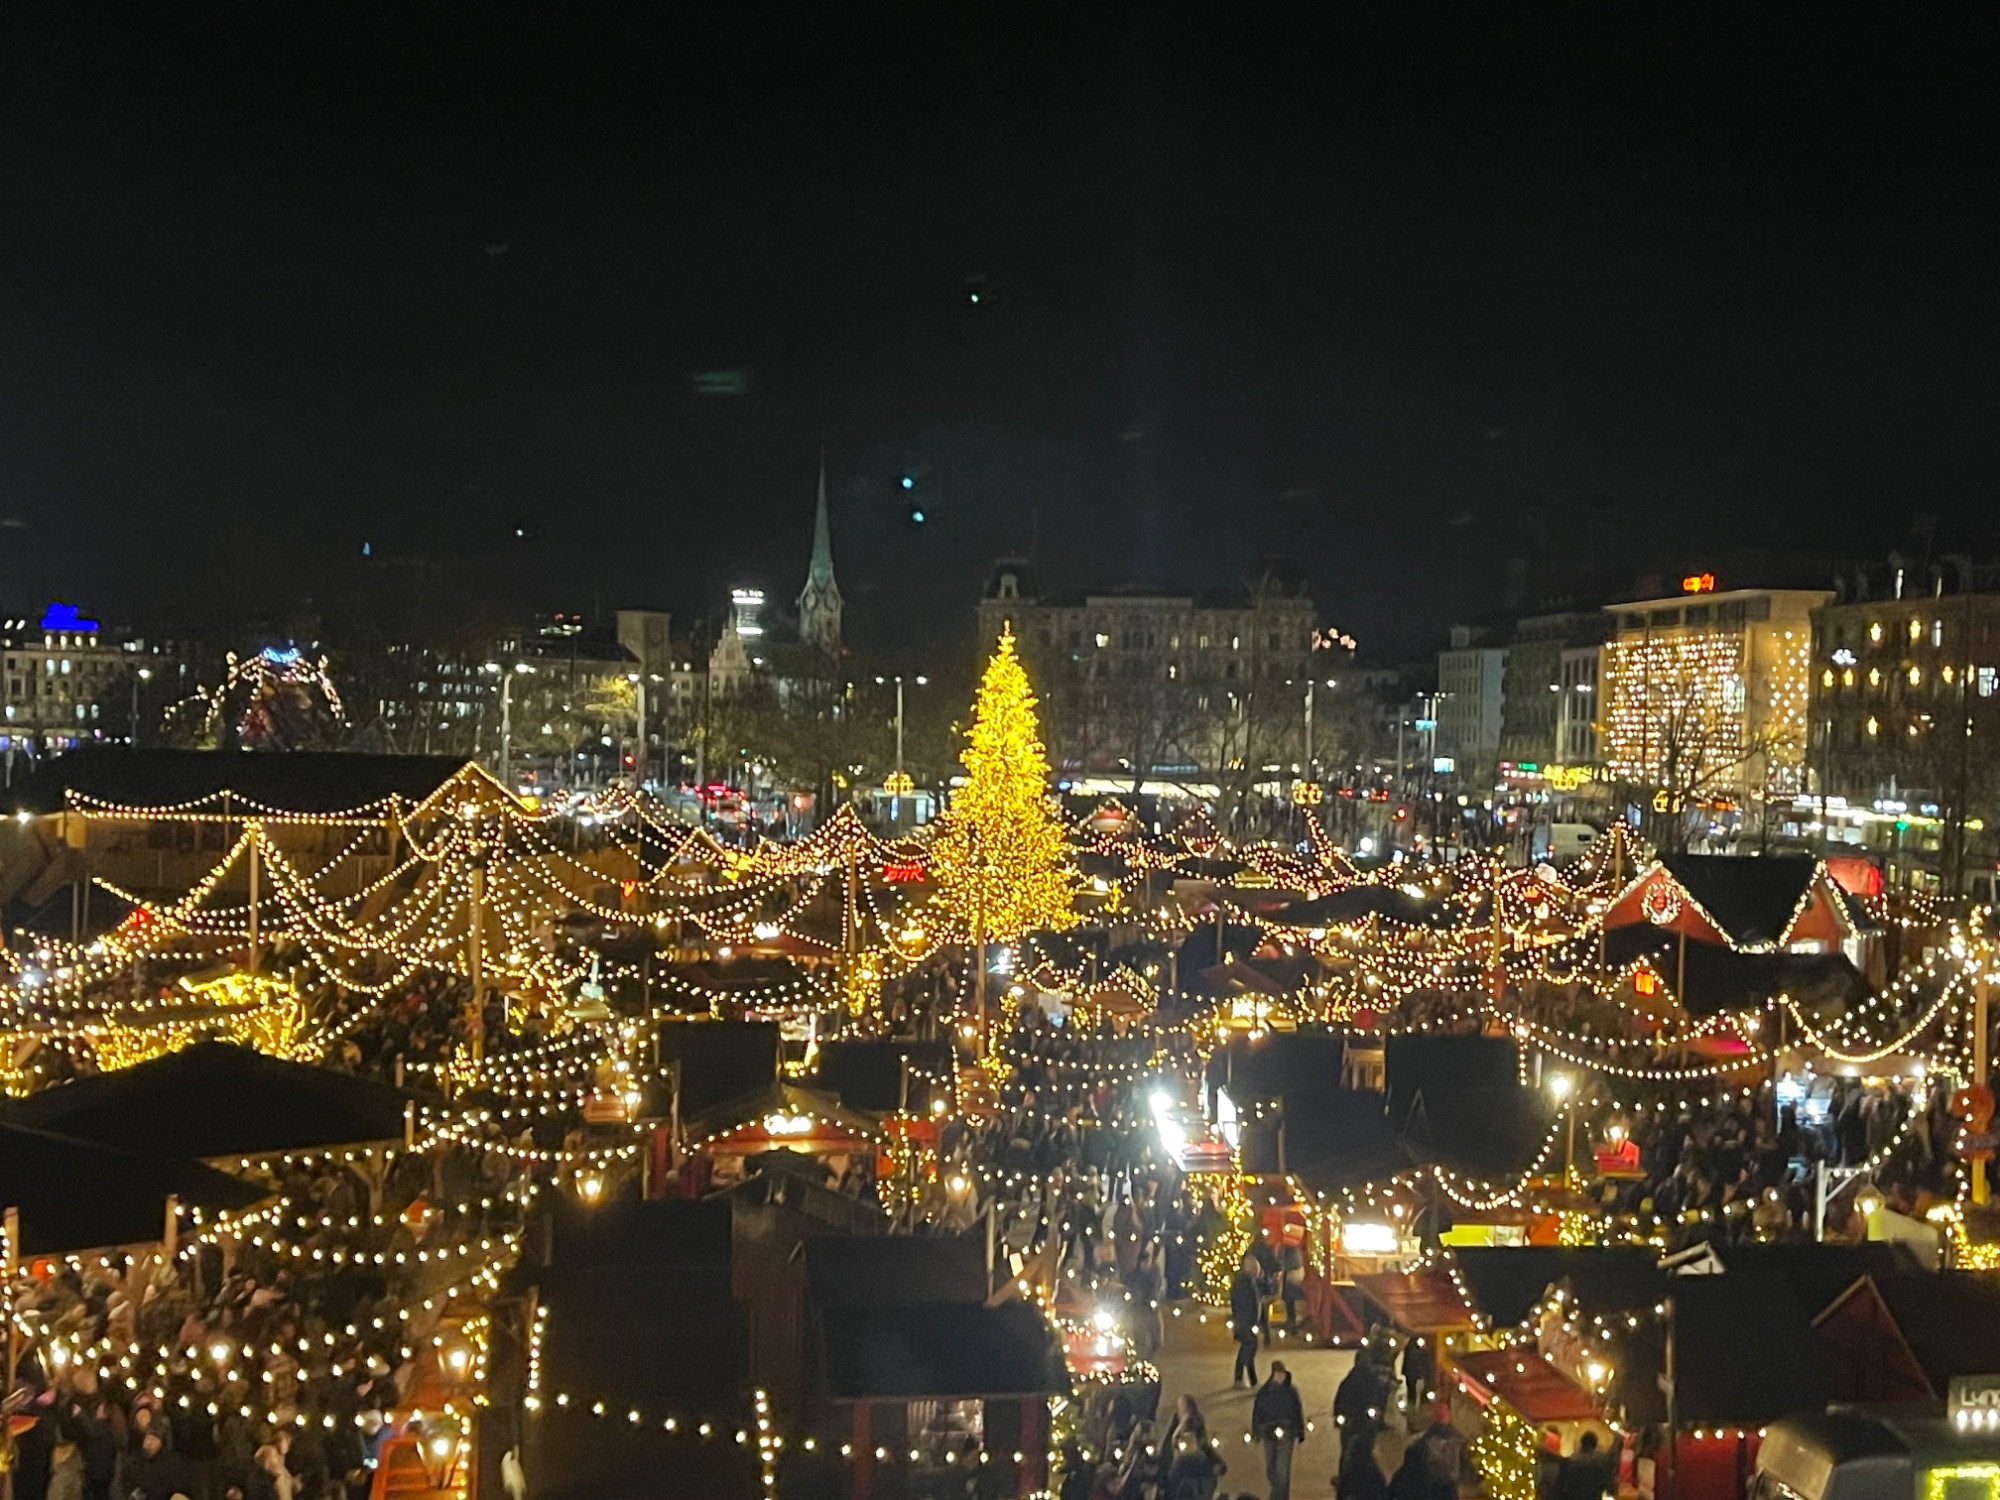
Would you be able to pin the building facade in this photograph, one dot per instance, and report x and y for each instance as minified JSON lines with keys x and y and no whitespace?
{"x":1906,"y":710}
{"x":1576,"y":713}
{"x":1704,"y":697}
{"x":69,"y":680}
{"x":1470,"y":698}
{"x":1537,"y":718}
{"x":1163,"y":684}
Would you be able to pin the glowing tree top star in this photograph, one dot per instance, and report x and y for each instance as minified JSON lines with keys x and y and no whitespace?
{"x":1000,"y":859}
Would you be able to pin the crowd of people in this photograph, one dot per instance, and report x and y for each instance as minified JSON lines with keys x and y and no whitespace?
{"x":1739,"y":1166}
{"x":239,"y":1370}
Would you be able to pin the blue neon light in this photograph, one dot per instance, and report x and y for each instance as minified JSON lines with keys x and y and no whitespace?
{"x":60,"y":616}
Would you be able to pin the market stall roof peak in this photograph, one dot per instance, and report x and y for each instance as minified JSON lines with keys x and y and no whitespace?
{"x":217,"y":1101}
{"x":77,"y":1195}
{"x":307,"y":782}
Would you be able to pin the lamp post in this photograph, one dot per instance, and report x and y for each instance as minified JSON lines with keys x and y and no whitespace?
{"x":506,"y":715}
{"x":638,"y":682}
{"x":898,"y":783}
{"x":144,"y":674}
{"x":1560,"y":1086}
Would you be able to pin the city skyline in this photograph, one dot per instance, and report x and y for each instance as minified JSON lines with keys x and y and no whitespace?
{"x":1155,"y":300}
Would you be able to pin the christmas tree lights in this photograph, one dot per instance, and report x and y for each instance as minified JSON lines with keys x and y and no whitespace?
{"x":1001,"y":858}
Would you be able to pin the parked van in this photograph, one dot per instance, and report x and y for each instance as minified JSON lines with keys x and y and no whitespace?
{"x":1561,"y":843}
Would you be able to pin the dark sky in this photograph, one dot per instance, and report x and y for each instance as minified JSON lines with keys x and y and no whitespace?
{"x":1609,"y":292}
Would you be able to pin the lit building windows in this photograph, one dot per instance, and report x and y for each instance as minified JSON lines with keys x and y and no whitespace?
{"x":1916,"y":675}
{"x":1916,"y":629}
{"x":1937,"y":632}
{"x":1875,"y":631}
{"x":1874,"y":726}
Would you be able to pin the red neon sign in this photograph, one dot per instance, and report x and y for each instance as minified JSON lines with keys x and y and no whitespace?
{"x":1698,"y":583}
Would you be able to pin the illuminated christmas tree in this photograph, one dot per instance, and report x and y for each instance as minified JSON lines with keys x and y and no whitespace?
{"x":1000,"y":860}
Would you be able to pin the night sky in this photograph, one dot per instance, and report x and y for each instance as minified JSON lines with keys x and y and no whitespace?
{"x":1610,"y":298}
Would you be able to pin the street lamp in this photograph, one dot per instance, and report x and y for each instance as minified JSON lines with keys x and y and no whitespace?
{"x":898,"y":784}
{"x":144,"y":674}
{"x":1561,"y":1086}
{"x":506,"y":714}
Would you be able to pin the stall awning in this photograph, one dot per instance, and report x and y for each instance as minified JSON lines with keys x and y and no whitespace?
{"x":1527,"y":1383}
{"x":1420,"y":1301}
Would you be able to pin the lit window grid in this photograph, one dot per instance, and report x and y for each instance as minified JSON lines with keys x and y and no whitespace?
{"x":1647,"y":679}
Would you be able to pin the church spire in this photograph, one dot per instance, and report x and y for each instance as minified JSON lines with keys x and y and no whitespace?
{"x":819,"y":600}
{"x":821,"y":571}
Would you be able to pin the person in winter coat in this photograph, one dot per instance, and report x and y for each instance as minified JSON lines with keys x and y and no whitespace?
{"x":1246,"y":1310}
{"x":1413,"y":1479}
{"x":65,"y":1472}
{"x":1278,"y":1421}
{"x":155,"y":1472}
{"x":1360,"y":1477}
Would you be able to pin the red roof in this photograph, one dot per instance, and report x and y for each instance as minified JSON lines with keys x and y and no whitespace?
{"x":1528,"y":1383}
{"x":1421,"y":1301}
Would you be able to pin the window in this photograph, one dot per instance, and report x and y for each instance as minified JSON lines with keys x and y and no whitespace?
{"x":1698,"y":614}
{"x":1875,"y":631}
{"x":65,"y":666}
{"x":1102,"y":638}
{"x":1874,"y":726}
{"x":1989,"y":681}
{"x":1916,"y":628}
{"x":1632,"y":622}
{"x":1937,"y":632}
{"x":1664,"y":617}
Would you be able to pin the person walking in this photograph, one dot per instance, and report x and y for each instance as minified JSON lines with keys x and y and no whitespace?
{"x":1278,"y":1421}
{"x":1246,"y":1304}
{"x":1360,"y":1477}
{"x":1147,"y":1286}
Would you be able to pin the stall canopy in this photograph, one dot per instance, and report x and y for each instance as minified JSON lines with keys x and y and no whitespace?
{"x":1528,"y":1383}
{"x":638,"y":1315}
{"x":76,"y":1195}
{"x":216,"y":1101}
{"x":783,"y":1116}
{"x":941,"y":1351}
{"x":1422,"y":1302}
{"x":301,"y":781}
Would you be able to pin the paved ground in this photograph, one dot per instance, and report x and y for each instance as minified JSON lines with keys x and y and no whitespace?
{"x":1198,"y":1359}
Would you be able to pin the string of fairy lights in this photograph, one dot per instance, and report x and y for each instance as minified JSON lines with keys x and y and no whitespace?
{"x":478,"y":885}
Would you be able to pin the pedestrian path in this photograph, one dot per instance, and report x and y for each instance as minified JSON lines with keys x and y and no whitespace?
{"x":1198,"y":1358}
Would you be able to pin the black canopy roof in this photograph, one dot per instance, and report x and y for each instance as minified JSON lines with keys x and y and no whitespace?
{"x":894,"y":1270}
{"x":303,"y":781}
{"x":216,"y":1100}
{"x":1752,"y":897}
{"x":640,"y":1317}
{"x":76,"y":1195}
{"x":942,"y":1350}
{"x":1359,"y":902}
